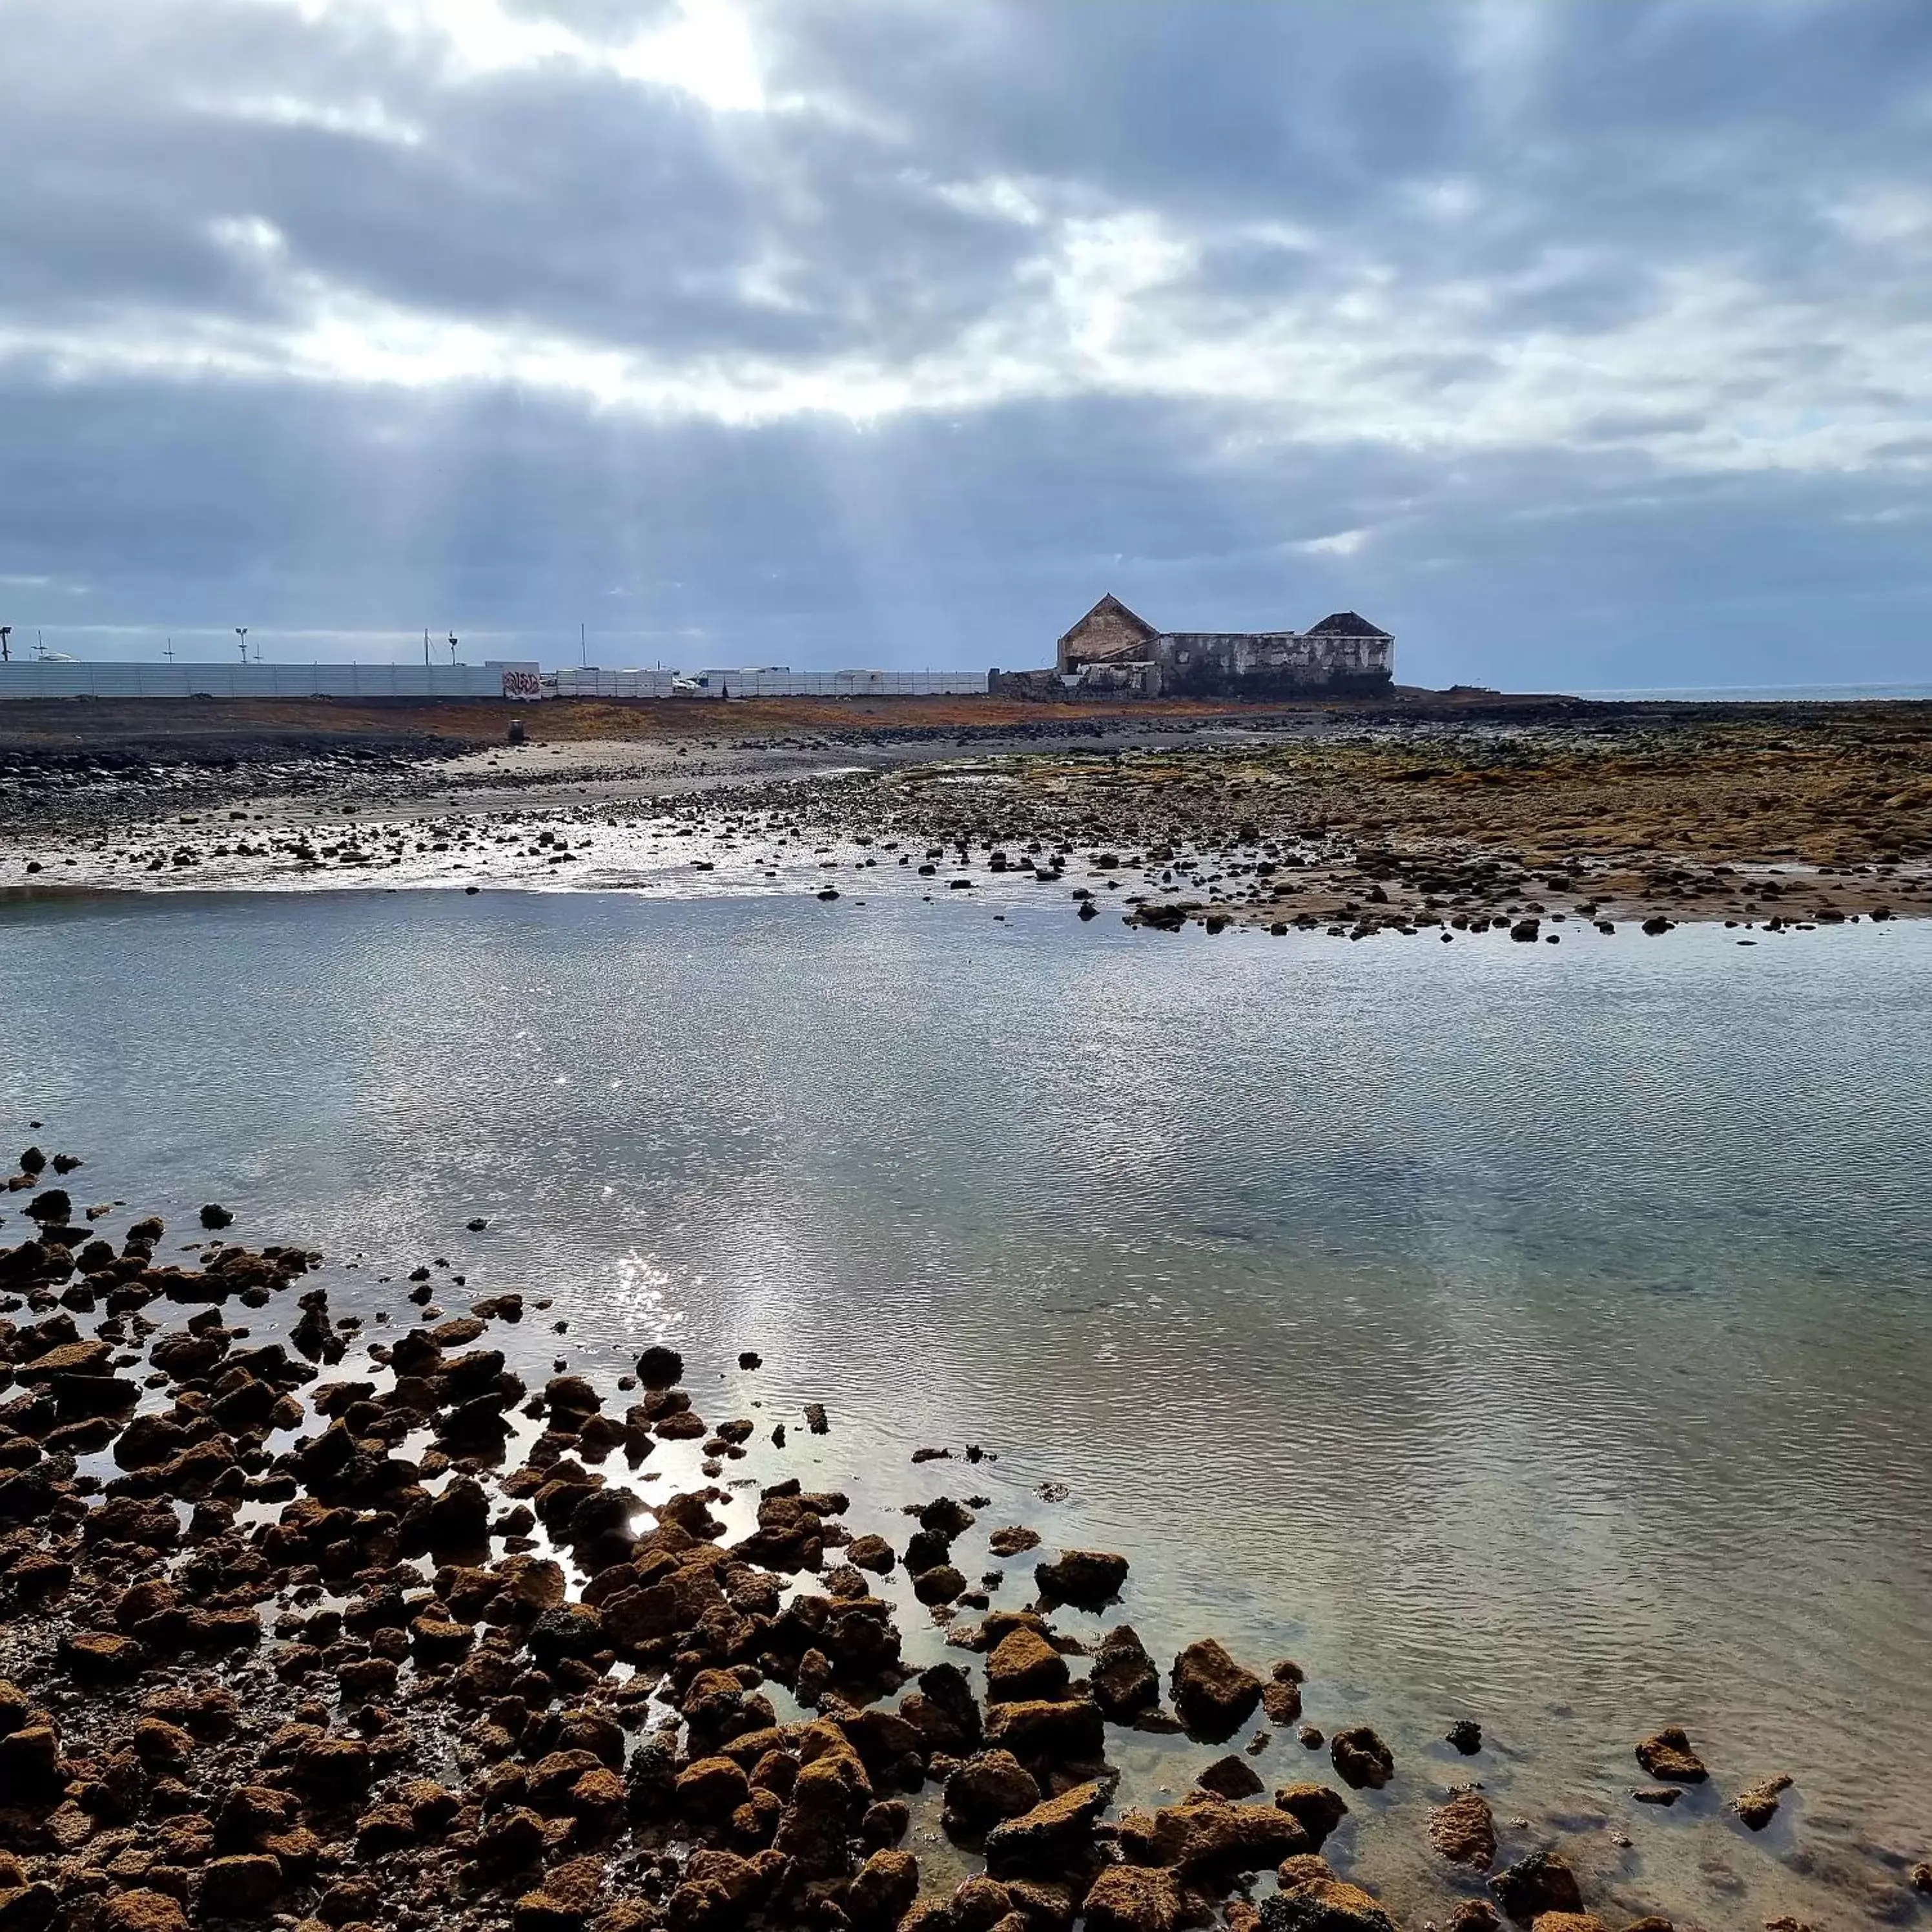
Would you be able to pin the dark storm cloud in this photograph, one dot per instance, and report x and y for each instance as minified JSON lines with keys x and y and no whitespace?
{"x":809,"y":333}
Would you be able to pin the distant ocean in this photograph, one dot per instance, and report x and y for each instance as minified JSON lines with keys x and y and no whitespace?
{"x":1771,"y":693}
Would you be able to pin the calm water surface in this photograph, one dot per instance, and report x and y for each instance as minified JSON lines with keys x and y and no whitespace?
{"x":1531,"y":1333}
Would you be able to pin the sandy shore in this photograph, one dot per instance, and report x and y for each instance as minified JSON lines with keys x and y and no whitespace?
{"x":1430,"y":815}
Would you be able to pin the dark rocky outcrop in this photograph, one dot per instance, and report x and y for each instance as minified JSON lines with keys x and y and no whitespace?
{"x":1087,"y":1579}
{"x":1361,"y":1759}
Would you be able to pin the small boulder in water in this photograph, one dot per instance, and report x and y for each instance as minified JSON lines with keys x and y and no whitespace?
{"x":1668,"y":1754}
{"x":1540,"y":1883}
{"x":1464,"y":1832}
{"x":1232,"y":1778}
{"x":1124,"y":1680}
{"x":1758,"y":1805}
{"x":1213,"y":1693}
{"x":660,"y":1368}
{"x":1362,"y":1758}
{"x":1087,"y":1578}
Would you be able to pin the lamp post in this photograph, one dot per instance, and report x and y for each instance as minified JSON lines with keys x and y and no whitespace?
{"x":6,"y":655}
{"x":452,"y":647}
{"x":241,"y":631}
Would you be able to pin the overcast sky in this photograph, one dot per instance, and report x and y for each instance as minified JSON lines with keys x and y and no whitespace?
{"x":1582,"y":344}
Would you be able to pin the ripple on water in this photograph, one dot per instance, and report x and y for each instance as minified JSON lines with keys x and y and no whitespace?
{"x":1541,"y":1338}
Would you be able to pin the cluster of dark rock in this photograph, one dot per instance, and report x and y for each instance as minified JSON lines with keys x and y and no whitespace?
{"x":306,"y":1650}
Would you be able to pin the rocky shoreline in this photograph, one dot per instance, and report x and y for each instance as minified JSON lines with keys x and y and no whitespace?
{"x":325,"y":1622}
{"x":1768,"y":820}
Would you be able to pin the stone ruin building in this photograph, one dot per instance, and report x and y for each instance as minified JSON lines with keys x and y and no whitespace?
{"x":1112,"y":649}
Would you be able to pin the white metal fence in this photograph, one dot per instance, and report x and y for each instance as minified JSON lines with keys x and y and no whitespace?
{"x":595,"y":683}
{"x":39,"y":679}
{"x":571,"y":682}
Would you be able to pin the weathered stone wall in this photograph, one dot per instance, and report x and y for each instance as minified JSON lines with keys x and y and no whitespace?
{"x":1266,"y":662}
{"x":1102,"y":634}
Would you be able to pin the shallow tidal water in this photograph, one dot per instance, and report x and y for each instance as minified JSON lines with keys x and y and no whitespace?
{"x":1535,"y":1334}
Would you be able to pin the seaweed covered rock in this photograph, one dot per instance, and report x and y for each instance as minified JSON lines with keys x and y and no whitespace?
{"x":1213,"y":1694}
{"x":1137,"y":1898}
{"x":1124,"y":1680}
{"x":1024,"y":1665}
{"x":1206,"y":1833}
{"x":1316,"y":1807}
{"x":1087,"y":1578}
{"x":989,"y":1786}
{"x":1325,"y":1905}
{"x":1054,"y":1836}
{"x":1667,"y":1754}
{"x":1538,"y":1883}
{"x":1054,"y":1734}
{"x":1464,"y":1831}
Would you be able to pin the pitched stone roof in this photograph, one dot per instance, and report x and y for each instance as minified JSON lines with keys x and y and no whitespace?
{"x":1344,"y":624}
{"x":1111,"y":606}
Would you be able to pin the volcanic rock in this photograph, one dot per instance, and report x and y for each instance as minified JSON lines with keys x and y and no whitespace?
{"x":1361,"y":1757}
{"x":1123,"y":1680}
{"x":27,"y":1908}
{"x":1539,"y":1883}
{"x":1281,"y":1701}
{"x":99,"y":1656}
{"x":1136,"y":1898}
{"x":989,"y":1786}
{"x":1045,"y":1733}
{"x":141,"y":1912}
{"x":241,"y":1886}
{"x":941,"y":1584}
{"x":1024,"y":1665}
{"x":1204,"y":1833}
{"x":1758,"y":1805}
{"x":1213,"y":1694}
{"x":1087,"y":1579}
{"x":1327,"y":1905}
{"x":1049,"y":1838}
{"x":1464,"y":1831}
{"x":1317,"y":1808}
{"x":882,"y":1889}
{"x":1668,"y":1755}
{"x":1231,"y":1777}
